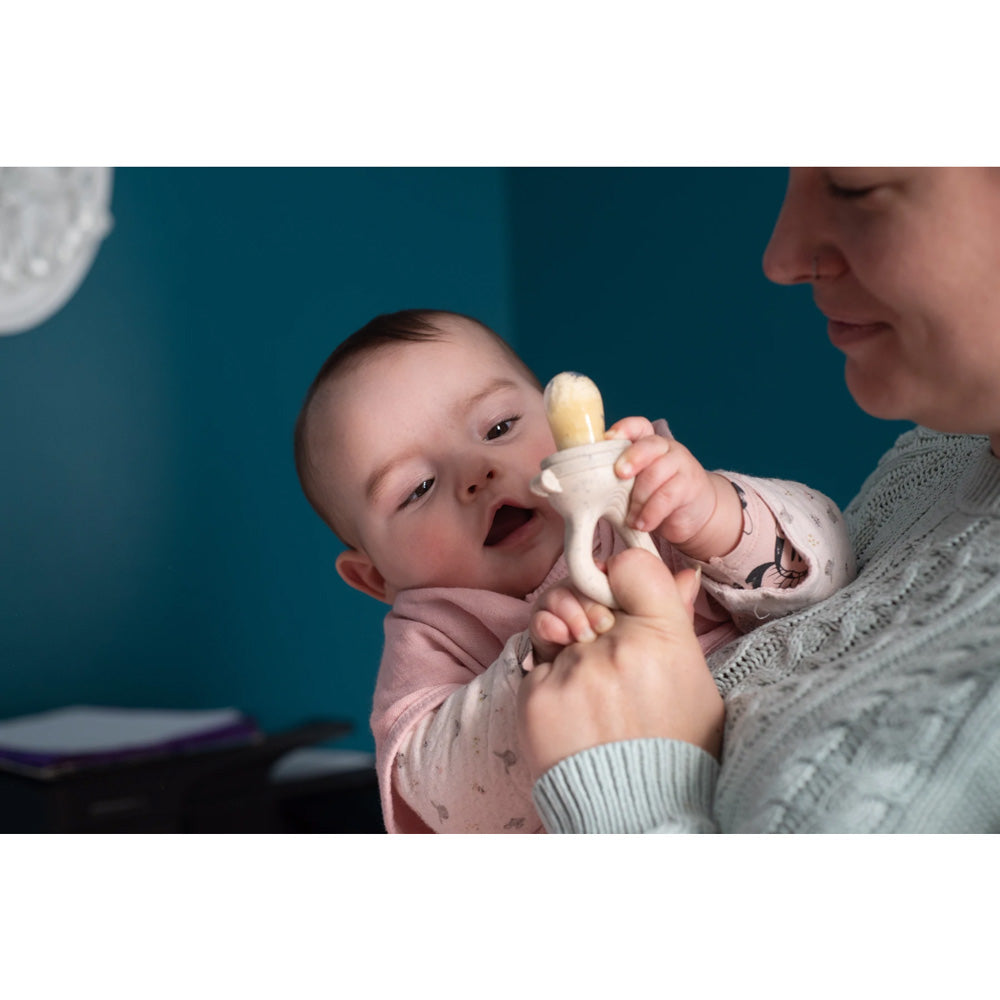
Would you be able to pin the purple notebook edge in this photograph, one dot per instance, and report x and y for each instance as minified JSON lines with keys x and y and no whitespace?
{"x":241,"y":730}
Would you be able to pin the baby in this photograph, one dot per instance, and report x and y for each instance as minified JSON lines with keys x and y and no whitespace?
{"x":417,"y":443}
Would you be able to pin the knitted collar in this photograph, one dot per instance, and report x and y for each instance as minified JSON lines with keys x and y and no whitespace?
{"x":978,"y":489}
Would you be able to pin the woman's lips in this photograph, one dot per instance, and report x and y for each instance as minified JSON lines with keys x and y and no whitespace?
{"x":843,"y":335}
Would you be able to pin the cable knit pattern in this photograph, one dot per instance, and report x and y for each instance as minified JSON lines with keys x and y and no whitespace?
{"x":877,"y":710}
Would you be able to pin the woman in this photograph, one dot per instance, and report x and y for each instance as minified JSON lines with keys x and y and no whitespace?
{"x":878,"y":710}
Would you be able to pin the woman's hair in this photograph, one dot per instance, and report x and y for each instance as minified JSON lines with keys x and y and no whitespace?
{"x":382,"y":331}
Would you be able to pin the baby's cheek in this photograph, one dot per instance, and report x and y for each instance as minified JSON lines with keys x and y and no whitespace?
{"x":429,"y":559}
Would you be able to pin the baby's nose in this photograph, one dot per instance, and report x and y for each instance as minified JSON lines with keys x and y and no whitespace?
{"x":480,"y":481}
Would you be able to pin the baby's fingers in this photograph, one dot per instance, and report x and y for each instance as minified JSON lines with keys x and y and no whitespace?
{"x":549,"y":634}
{"x":565,"y":605}
{"x":562,"y":618}
{"x":584,"y":618}
{"x":640,"y":456}
{"x":631,"y":428}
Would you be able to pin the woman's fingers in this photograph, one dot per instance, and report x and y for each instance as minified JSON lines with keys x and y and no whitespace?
{"x":688,"y":585}
{"x":644,"y":586}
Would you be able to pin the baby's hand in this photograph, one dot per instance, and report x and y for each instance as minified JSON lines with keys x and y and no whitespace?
{"x":563,"y":616}
{"x":673,"y":496}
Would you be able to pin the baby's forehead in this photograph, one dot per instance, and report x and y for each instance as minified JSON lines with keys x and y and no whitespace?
{"x":460,"y":349}
{"x":450,"y":345}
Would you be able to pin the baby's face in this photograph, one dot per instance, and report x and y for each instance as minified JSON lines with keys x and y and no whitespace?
{"x":428,"y":452}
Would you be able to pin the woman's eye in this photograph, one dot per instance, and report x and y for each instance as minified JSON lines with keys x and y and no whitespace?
{"x":849,"y":193}
{"x":498,"y":430}
{"x":417,"y":493}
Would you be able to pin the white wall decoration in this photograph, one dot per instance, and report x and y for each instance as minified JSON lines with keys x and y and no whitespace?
{"x":52,"y":222}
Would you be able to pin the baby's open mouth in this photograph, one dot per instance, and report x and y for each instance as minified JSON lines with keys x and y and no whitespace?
{"x":506,"y":521}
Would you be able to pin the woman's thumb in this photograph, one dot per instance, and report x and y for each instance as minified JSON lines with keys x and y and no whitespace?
{"x":688,"y":584}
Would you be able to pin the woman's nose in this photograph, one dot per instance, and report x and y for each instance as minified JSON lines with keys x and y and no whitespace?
{"x":785,"y":261}
{"x":794,"y":248}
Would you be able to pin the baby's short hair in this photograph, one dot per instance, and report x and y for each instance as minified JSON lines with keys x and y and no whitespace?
{"x":378,"y":333}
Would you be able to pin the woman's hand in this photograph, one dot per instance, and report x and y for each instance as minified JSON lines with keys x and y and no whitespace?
{"x":645,"y":677}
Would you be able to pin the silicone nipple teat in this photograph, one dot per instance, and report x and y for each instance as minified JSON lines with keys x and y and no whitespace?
{"x":575,"y":410}
{"x":580,"y":482}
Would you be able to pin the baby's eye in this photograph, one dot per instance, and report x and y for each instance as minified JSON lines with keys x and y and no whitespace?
{"x":498,"y":430}
{"x":417,"y":493}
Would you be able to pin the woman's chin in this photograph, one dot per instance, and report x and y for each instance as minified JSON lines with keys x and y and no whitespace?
{"x":873,"y":395}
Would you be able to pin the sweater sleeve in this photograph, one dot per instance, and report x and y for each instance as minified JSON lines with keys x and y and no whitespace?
{"x":460,"y":769}
{"x":633,"y":786}
{"x":794,"y":552}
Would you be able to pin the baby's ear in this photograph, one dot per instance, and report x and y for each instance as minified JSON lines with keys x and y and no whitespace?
{"x":359,"y":572}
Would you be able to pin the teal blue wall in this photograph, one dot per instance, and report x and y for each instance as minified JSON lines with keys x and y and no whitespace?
{"x":650,"y":281}
{"x":155,"y":549}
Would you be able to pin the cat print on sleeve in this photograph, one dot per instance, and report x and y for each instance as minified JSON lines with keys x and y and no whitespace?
{"x":785,"y":569}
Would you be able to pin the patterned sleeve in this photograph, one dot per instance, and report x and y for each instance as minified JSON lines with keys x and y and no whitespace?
{"x":460,"y":768}
{"x":795,"y":552}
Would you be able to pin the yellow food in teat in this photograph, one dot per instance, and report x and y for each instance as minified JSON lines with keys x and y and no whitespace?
{"x":575,"y":410}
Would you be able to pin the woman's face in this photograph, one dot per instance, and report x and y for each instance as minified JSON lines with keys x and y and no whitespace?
{"x":905,"y":265}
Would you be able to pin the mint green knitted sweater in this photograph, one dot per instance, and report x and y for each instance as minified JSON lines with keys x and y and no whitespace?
{"x":877,"y":710}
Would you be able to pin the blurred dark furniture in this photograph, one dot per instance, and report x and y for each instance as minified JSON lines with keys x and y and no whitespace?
{"x":232,"y":790}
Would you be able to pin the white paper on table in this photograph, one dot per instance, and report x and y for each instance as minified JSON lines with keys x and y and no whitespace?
{"x":316,"y":762}
{"x":85,"y":729}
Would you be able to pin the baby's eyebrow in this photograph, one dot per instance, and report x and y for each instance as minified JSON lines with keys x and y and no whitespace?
{"x":376,"y":481}
{"x":496,"y":385}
